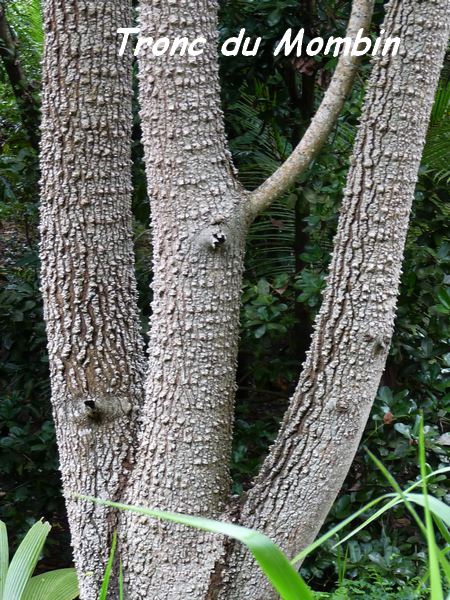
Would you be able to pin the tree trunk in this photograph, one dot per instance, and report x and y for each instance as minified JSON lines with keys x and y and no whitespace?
{"x":87,"y":276}
{"x":200,"y":215}
{"x":321,"y":430}
{"x":198,"y":229}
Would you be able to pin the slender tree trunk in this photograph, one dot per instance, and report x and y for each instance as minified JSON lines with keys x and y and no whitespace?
{"x":198,"y":232}
{"x":321,"y":430}
{"x":87,"y":265}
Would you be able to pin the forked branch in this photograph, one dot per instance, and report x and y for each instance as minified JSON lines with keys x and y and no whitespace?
{"x":321,"y":124}
{"x":322,"y":427}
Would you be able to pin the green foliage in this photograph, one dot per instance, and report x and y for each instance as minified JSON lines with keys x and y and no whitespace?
{"x":263,"y":309}
{"x":29,"y":479}
{"x":16,"y":581}
{"x":435,"y":156}
{"x":28,"y":458}
{"x":18,"y":160}
{"x":376,"y":587}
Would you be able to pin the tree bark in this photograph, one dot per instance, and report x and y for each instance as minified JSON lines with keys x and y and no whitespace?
{"x":321,"y":430}
{"x":87,"y":276}
{"x":198,"y":227}
{"x":200,"y":216}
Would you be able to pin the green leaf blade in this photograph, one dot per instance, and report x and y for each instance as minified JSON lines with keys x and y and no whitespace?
{"x":61,"y":584}
{"x":4,"y":558}
{"x":24,"y":561}
{"x":105,"y":584}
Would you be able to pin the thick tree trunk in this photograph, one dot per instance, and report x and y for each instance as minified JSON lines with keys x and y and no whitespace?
{"x":200,"y":216}
{"x":88,"y":265}
{"x":198,"y":234}
{"x":322,"y":428}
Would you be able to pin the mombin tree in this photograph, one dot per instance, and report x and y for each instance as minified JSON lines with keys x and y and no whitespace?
{"x":158,"y":431}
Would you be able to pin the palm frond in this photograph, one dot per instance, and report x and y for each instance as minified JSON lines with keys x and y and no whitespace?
{"x":435,"y":159}
{"x":25,"y":17}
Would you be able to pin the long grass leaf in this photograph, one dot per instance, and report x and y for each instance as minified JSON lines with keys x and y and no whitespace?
{"x":436,"y":506}
{"x":121,"y":595}
{"x":108,"y":570}
{"x":433,"y":552}
{"x":399,"y":491}
{"x":304,"y":553}
{"x":394,"y":502}
{"x":445,"y":565}
{"x":442,"y":528}
{"x":284,"y":578}
{"x":301,"y":555}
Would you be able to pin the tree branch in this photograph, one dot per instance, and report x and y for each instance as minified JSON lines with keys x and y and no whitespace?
{"x":322,"y":427}
{"x":22,"y":88}
{"x":322,"y":123}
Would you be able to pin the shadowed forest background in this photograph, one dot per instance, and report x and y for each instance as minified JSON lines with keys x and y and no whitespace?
{"x":268,"y":102}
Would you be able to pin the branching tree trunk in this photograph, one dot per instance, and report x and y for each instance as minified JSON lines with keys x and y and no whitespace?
{"x":199,"y":217}
{"x":327,"y":414}
{"x":178,"y":424}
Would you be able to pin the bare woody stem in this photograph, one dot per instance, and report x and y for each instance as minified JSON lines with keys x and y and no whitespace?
{"x":87,"y":275}
{"x":321,"y":124}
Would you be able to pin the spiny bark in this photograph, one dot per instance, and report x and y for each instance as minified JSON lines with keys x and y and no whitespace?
{"x":198,"y":235}
{"x":322,"y":428}
{"x":87,"y":276}
{"x":22,"y":88}
{"x":199,"y":219}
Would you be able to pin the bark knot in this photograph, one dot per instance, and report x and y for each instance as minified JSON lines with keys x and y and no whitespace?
{"x":213,"y":237}
{"x":99,"y":409}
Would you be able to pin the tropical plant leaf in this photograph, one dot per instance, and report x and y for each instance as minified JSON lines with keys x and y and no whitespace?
{"x":4,"y":557}
{"x":435,"y":153}
{"x":27,"y":14}
{"x":61,"y":584}
{"x":284,"y":578}
{"x":24,"y":560}
{"x":437,"y":507}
